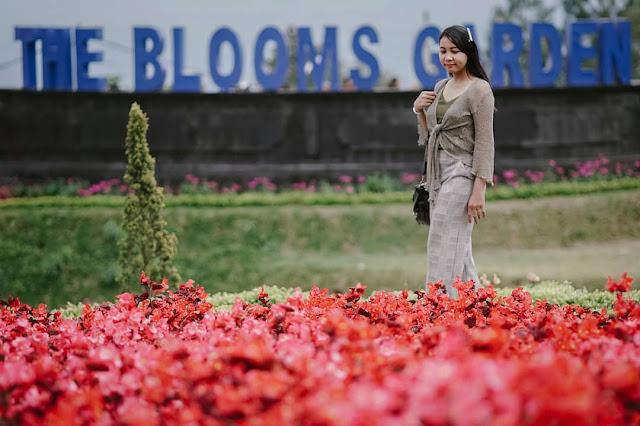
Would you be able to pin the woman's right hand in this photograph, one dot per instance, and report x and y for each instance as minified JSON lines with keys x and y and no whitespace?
{"x":424,"y":99}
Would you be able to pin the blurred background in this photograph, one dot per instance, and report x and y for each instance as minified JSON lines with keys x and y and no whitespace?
{"x":327,"y":120}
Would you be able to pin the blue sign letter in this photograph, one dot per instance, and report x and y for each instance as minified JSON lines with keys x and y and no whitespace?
{"x":225,"y":82}
{"x":28,"y":37}
{"x":306,"y":51}
{"x":365,"y":83}
{"x":144,"y":57}
{"x":506,"y":59}
{"x":56,"y":59}
{"x":428,"y":80}
{"x":84,"y":58}
{"x":274,"y":80}
{"x":540,"y":74}
{"x":576,"y":76}
{"x":182,"y":82}
{"x":615,"y":46}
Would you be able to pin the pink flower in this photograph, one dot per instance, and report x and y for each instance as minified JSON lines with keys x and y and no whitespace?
{"x":536,"y":177}
{"x":618,"y":168}
{"x":127,"y":300}
{"x":509,"y":174}
{"x":350,"y":189}
{"x":362,"y":179}
{"x":603,"y":170}
{"x":337,"y":188}
{"x":637,"y":164}
{"x":552,"y":163}
{"x":192,"y":179}
{"x":300,"y":185}
{"x":345,"y":179}
{"x":560,"y":170}
{"x":410,"y":178}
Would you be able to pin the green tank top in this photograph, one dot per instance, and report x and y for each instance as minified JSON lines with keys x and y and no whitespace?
{"x":442,"y":108}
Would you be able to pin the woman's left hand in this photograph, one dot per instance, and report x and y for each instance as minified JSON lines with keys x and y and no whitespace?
{"x":475,"y":209}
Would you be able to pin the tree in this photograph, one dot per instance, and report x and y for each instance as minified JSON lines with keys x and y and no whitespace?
{"x":629,"y":9}
{"x":581,"y":9}
{"x":146,"y":244}
{"x":522,"y":13}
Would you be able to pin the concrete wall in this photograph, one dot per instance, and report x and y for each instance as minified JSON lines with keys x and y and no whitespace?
{"x":296,"y":136}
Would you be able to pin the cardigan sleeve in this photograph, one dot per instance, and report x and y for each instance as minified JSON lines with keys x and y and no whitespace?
{"x":423,"y":135}
{"x":483,"y":150}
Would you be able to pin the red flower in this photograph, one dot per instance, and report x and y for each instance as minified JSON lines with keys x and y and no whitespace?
{"x":623,"y":285}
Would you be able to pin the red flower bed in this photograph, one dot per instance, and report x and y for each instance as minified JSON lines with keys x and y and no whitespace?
{"x":328,"y":359}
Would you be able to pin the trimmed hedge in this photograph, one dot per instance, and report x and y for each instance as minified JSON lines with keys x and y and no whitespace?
{"x":256,"y":199}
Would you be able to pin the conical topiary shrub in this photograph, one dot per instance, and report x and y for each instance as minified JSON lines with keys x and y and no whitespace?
{"x":146,"y":244}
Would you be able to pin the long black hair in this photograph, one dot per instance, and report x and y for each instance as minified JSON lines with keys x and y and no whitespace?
{"x":459,"y":36}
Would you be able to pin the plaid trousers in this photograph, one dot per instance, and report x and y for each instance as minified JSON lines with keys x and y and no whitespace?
{"x":449,"y":244}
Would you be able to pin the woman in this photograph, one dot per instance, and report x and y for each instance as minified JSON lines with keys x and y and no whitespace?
{"x":455,"y":121}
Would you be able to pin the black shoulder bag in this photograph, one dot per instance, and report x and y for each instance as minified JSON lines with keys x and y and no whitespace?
{"x":421,"y":196}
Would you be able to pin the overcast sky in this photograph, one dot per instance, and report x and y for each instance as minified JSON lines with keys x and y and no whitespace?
{"x":396,"y":22}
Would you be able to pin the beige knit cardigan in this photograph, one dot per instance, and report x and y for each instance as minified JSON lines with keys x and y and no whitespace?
{"x":465,"y":132}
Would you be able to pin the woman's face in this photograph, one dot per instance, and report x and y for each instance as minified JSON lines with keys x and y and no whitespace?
{"x":452,"y":59}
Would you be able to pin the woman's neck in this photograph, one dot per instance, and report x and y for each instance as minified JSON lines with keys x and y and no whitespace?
{"x":461,"y":77}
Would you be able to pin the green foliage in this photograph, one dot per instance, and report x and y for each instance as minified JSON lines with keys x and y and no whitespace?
{"x":62,"y":187}
{"x":72,"y":310}
{"x":380,"y":183}
{"x":224,"y":300}
{"x":556,"y":189}
{"x":147,"y":245}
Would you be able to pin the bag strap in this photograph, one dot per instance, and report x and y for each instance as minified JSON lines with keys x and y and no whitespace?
{"x":424,"y":164}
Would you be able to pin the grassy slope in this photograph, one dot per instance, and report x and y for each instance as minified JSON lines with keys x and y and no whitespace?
{"x":53,"y":255}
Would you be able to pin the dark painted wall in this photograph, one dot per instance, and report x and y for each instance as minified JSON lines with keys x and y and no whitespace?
{"x":296,"y":136}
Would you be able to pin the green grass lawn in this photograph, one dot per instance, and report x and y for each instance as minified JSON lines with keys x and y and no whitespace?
{"x":53,"y":255}
{"x":584,"y":265}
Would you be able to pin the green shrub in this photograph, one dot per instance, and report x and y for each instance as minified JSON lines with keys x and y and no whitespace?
{"x":147,"y":245}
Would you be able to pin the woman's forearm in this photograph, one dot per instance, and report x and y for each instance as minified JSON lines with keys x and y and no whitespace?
{"x":479,"y":185}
